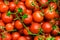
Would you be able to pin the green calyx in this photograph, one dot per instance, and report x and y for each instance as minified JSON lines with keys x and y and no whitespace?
{"x":32,"y":3}
{"x":9,"y":13}
{"x":20,"y":10}
{"x":24,"y":16}
{"x":54,"y":27}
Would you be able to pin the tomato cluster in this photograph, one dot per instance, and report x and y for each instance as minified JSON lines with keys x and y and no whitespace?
{"x":29,"y":20}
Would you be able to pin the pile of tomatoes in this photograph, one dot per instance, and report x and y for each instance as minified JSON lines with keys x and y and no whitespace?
{"x":29,"y":20}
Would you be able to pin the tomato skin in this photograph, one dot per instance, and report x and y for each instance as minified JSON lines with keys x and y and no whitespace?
{"x":57,"y":38}
{"x":8,"y":36}
{"x":34,"y":28}
{"x":43,"y":2}
{"x":53,"y":5}
{"x":21,"y":3}
{"x":15,"y":35}
{"x":4,"y":8}
{"x":22,"y":38}
{"x":28,"y":20}
{"x":28,"y":4}
{"x":49,"y":13}
{"x":2,"y":23}
{"x":1,"y":3}
{"x":37,"y":16}
{"x":28,"y":11}
{"x":47,"y":27}
{"x":29,"y":37}
{"x":18,"y":25}
{"x":12,"y":6}
{"x":7,"y":19}
{"x":9,"y":27}
{"x":25,"y":31}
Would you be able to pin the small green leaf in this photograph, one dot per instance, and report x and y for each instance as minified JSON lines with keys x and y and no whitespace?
{"x":54,"y":27}
{"x":24,"y":16}
{"x":20,"y":10}
{"x":9,"y":13}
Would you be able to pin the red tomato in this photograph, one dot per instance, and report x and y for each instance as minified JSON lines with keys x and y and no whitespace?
{"x":57,"y":38}
{"x":7,"y":19}
{"x":3,"y":8}
{"x":43,"y":2}
{"x":29,"y":4}
{"x":47,"y":27}
{"x":21,"y":6}
{"x":22,"y":38}
{"x":49,"y":13}
{"x":18,"y":25}
{"x":25,"y":31}
{"x":34,"y":28}
{"x":7,"y":36}
{"x":2,"y":23}
{"x":20,"y":3}
{"x":28,"y":11}
{"x":15,"y":35}
{"x":12,"y":6}
{"x":38,"y":16}
{"x":9,"y":27}
{"x":29,"y":37}
{"x":53,"y":5}
{"x":1,"y":3}
{"x":28,"y":20}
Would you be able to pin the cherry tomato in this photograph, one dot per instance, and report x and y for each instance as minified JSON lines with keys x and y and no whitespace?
{"x":21,"y":6}
{"x":43,"y":2}
{"x":57,"y":38}
{"x":29,"y":4}
{"x":38,"y":16}
{"x":7,"y":19}
{"x":28,"y":11}
{"x":3,"y":8}
{"x":47,"y":27}
{"x":20,"y":3}
{"x":7,"y":36}
{"x":18,"y":25}
{"x":34,"y":28}
{"x":28,"y":20}
{"x":9,"y":27}
{"x":2,"y":23}
{"x":28,"y":37}
{"x":49,"y":12}
{"x":12,"y":6}
{"x":15,"y":35}
{"x":25,"y":31}
{"x":22,"y":38}
{"x":53,"y":5}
